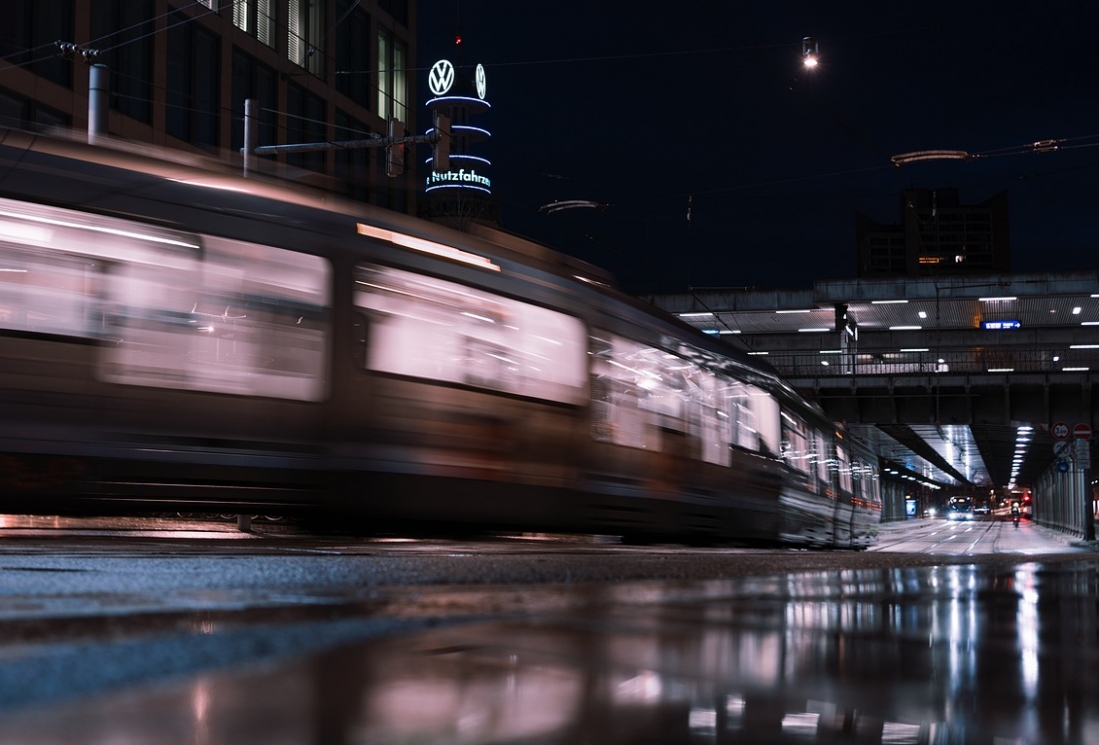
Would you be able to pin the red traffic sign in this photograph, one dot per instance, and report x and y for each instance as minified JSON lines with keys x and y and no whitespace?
{"x":1059,"y":431}
{"x":1082,"y":431}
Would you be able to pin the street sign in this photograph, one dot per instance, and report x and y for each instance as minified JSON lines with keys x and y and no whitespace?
{"x":1062,"y":466}
{"x":1061,"y":448}
{"x":1082,"y":431}
{"x":1060,"y":431}
{"x":1083,"y":454}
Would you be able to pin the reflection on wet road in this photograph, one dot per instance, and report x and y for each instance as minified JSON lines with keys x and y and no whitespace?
{"x":313,"y":649}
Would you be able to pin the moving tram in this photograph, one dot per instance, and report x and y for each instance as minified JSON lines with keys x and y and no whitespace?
{"x":174,"y":337}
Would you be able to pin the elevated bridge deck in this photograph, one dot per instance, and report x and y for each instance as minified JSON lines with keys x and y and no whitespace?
{"x":958,"y":382}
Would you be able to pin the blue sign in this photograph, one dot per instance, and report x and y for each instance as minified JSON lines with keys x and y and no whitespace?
{"x":1000,"y":325}
{"x":1062,"y":466}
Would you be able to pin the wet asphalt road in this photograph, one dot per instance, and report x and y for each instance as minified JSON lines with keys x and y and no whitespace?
{"x":170,"y":632}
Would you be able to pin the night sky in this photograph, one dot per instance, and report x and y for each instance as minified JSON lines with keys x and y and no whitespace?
{"x":641,"y":106}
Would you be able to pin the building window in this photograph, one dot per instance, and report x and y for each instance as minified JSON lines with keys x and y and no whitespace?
{"x":23,"y":113}
{"x":192,"y":86}
{"x":253,"y":79}
{"x":254,"y":17}
{"x":126,"y":31}
{"x":397,"y":10}
{"x":305,"y":122}
{"x":353,"y":164}
{"x":28,"y":31}
{"x":392,"y":77}
{"x":353,"y":52}
{"x":304,"y":37}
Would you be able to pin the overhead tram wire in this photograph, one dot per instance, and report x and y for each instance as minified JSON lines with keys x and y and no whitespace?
{"x":206,"y":12}
{"x":89,"y":44}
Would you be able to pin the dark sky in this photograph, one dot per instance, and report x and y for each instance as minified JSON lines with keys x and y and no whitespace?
{"x":641,"y":105}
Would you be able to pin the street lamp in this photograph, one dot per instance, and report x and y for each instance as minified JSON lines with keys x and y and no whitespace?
{"x":809,"y":52}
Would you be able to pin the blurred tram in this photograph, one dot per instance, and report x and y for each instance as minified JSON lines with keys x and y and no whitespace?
{"x":173,"y":337}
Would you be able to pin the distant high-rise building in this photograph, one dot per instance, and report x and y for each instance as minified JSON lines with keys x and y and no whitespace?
{"x":938,"y":235}
{"x":180,"y":72}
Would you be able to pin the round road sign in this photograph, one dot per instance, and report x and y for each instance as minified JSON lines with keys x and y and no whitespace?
{"x":1082,"y":431}
{"x":1059,"y":431}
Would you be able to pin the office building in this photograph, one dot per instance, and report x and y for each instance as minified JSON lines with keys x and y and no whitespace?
{"x":937,"y":236}
{"x":180,"y":72}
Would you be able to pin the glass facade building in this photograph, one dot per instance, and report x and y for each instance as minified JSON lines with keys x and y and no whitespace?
{"x":180,"y":72}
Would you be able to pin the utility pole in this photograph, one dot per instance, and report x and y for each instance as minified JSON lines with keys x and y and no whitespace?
{"x":99,"y":84}
{"x":251,"y":134}
{"x":98,"y":102}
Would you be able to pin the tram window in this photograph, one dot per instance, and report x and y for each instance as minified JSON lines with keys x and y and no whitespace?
{"x":715,"y":423}
{"x":52,"y":260}
{"x":248,"y":320}
{"x":743,"y":413}
{"x":822,"y":457}
{"x":643,"y":393}
{"x":236,"y":318}
{"x":768,"y":421}
{"x":843,"y":467}
{"x":796,"y":444}
{"x":864,"y":477}
{"x":755,"y":418}
{"x":435,"y":329}
{"x":47,"y":293}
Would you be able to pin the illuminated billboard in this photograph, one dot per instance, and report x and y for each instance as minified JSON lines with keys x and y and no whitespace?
{"x":459,"y":98}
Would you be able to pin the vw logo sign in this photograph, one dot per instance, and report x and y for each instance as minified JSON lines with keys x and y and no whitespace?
{"x":480,"y":81}
{"x":441,"y":77}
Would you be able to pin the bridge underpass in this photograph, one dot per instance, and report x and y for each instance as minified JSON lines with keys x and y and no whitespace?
{"x":957,"y":382}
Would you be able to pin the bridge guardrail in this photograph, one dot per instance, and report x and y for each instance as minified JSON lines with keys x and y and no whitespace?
{"x":983,"y":361}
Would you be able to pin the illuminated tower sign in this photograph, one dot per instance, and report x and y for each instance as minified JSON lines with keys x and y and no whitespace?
{"x":462,"y":190}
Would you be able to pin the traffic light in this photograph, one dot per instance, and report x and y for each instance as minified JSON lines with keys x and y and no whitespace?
{"x":841,"y":317}
{"x":394,"y":152}
{"x":440,"y":150}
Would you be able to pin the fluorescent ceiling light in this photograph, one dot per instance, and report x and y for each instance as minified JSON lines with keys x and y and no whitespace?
{"x":997,"y":299}
{"x":813,"y":330}
{"x":888,"y":302}
{"x":916,"y":349}
{"x":905,"y":328}
{"x":705,"y":314}
{"x":793,"y":311}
